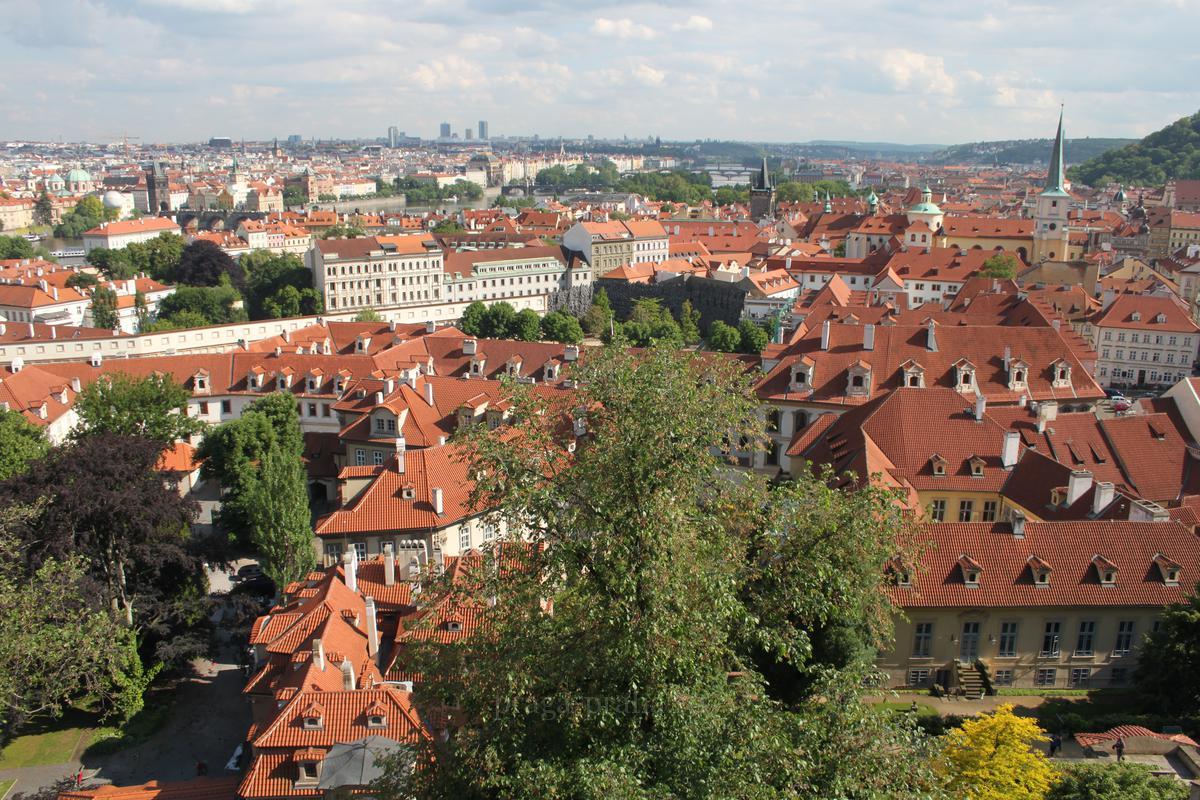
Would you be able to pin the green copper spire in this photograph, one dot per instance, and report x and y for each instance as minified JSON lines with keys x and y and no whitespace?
{"x":1056,"y":180}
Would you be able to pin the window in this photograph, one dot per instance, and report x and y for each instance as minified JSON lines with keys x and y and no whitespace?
{"x":489,"y":532}
{"x":360,"y":550}
{"x":333,"y":552}
{"x":1003,"y":677}
{"x":464,"y":539}
{"x":966,"y":509}
{"x":377,"y":457}
{"x":918,"y":678}
{"x":1118,"y":676}
{"x":922,"y":639}
{"x":1008,"y":640}
{"x":375,"y":721}
{"x":308,"y":770}
{"x":1124,"y":641}
{"x":226,"y":406}
{"x":1046,"y":676}
{"x":937,"y":510}
{"x":312,"y":409}
{"x":989,"y":511}
{"x":1050,"y":639}
{"x":360,"y":457}
{"x":312,"y":723}
{"x":1081,"y":677}
{"x":1087,"y":636}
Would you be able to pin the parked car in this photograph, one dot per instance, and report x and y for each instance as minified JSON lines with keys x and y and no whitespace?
{"x":1121,"y":404}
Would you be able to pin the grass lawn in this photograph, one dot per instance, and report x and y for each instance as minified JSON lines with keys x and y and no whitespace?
{"x":922,"y":709}
{"x":6,"y":787}
{"x":50,"y":743}
{"x":140,"y":728}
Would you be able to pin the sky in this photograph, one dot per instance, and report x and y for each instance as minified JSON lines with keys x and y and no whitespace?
{"x":868,"y":70}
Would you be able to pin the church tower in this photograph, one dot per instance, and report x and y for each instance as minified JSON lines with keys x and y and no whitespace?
{"x":762,"y":195}
{"x":1050,"y":235}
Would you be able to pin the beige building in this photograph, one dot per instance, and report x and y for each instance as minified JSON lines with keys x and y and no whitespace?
{"x":1143,"y":340}
{"x":608,"y":245}
{"x":1036,"y":604}
{"x":376,"y":271}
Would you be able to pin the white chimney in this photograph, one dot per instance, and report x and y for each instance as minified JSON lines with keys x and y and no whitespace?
{"x":97,"y":359}
{"x":931,"y":338}
{"x":389,"y":386}
{"x":1018,"y":524}
{"x":401,"y":446}
{"x":571,"y":352}
{"x":17,"y":365}
{"x":76,"y":384}
{"x":1048,"y":410}
{"x":825,"y":335}
{"x":868,"y":337}
{"x":1010,"y":450}
{"x":379,"y":398}
{"x":437,"y":501}
{"x":1056,"y":323}
{"x":1041,"y":424}
{"x":428,"y":392}
{"x":980,"y":407}
{"x":350,"y":567}
{"x":1102,"y":498}
{"x":1007,"y":356}
{"x":53,"y":332}
{"x":389,"y":565}
{"x":3,"y":329}
{"x":469,"y":347}
{"x":347,"y":675}
{"x":372,"y":629}
{"x":318,"y":656}
{"x":1078,"y":485}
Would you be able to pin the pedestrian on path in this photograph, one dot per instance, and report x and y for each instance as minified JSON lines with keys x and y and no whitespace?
{"x":1055,"y":744}
{"x":1119,"y":748}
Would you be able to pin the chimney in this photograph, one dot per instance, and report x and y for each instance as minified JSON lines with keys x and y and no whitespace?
{"x":1107,"y":298}
{"x":379,"y":398}
{"x":571,"y":352}
{"x":372,"y":629}
{"x":16,"y":365}
{"x":1011,"y":449}
{"x":931,"y":338}
{"x":469,"y":347}
{"x":1048,"y":410}
{"x":278,"y":352}
{"x":428,"y":392}
{"x":401,"y":446}
{"x":32,"y":330}
{"x":76,"y":384}
{"x":350,"y":567}
{"x":430,"y":326}
{"x":347,"y":675}
{"x":437,"y":501}
{"x":1056,"y":323}
{"x":1018,"y":524}
{"x":825,"y":335}
{"x":389,"y":565}
{"x":53,"y":332}
{"x":980,"y":407}
{"x":1007,"y":356}
{"x":3,"y":329}
{"x":868,"y":337}
{"x":1078,"y":485}
{"x":1102,"y":498}
{"x":389,"y":386}
{"x":318,"y":656}
{"x":54,"y":292}
{"x":1041,"y":424}
{"x":392,"y":326}
{"x":1146,"y":511}
{"x":287,"y":336}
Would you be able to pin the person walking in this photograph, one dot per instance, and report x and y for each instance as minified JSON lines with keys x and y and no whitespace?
{"x":1055,"y":744}
{"x":1119,"y":748}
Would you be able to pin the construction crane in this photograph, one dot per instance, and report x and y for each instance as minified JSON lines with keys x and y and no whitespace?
{"x":124,"y":137}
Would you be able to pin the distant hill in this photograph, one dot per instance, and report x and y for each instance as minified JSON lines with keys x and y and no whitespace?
{"x":1173,"y":152}
{"x":1023,"y":151}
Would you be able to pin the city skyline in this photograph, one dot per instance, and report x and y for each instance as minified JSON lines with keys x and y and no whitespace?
{"x":906,"y":73}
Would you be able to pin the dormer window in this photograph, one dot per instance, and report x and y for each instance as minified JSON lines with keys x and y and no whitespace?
{"x":977,"y":465}
{"x":802,"y":375}
{"x":550,"y":370}
{"x":477,"y":365}
{"x":1136,"y":316}
{"x":313,"y":718}
{"x":938,"y":464}
{"x":514,"y":368}
{"x":1017,"y":372}
{"x":454,"y":626}
{"x":408,"y":492}
{"x":312,"y":723}
{"x":964,"y":376}
{"x":1062,"y":374}
{"x":339,"y":384}
{"x":1161,"y":318}
{"x":971,"y":571}
{"x":200,"y":381}
{"x":362,"y":344}
{"x":376,"y":721}
{"x":1168,"y":569}
{"x":1041,"y":570}
{"x":914,"y":375}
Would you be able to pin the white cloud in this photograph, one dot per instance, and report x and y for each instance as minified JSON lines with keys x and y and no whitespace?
{"x":910,"y":71}
{"x":623,"y":28}
{"x":695,"y":22}
{"x":648,"y":75}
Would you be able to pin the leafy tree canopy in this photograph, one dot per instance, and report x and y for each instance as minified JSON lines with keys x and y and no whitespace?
{"x":342,"y":231}
{"x":561,"y":327}
{"x":1122,"y":780}
{"x":1168,"y":671}
{"x":203,"y":263}
{"x":20,"y":443}
{"x":992,"y":757}
{"x":278,"y":285}
{"x":15,"y":247}
{"x":724,"y":337}
{"x":1172,"y":152}
{"x":154,"y":407}
{"x":1001,"y":265}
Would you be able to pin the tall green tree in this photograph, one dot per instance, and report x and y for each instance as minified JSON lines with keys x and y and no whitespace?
{"x":203,"y":263}
{"x":278,"y":518}
{"x":471,"y":321}
{"x":278,"y":285}
{"x":1168,"y":671}
{"x":154,"y":407}
{"x":558,"y":326}
{"x":104,"y":308}
{"x":56,"y":647}
{"x":639,"y":683}
{"x":215,"y":305}
{"x":43,"y":208}
{"x":753,"y":338}
{"x":498,"y":321}
{"x":1123,"y":781}
{"x":368,"y":315}
{"x":689,"y":323}
{"x":1001,"y":265}
{"x":526,"y":326}
{"x":15,"y":247}
{"x":723,"y":337}
{"x":20,"y":443}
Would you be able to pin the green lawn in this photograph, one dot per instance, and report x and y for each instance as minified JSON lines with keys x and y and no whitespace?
{"x":49,"y":744}
{"x":6,"y":787}
{"x":922,"y":709}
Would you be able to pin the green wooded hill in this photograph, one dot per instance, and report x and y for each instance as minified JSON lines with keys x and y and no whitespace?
{"x":1173,"y":152}
{"x":1023,"y":151}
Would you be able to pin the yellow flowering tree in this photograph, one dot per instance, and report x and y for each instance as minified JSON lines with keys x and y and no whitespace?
{"x":992,"y":757}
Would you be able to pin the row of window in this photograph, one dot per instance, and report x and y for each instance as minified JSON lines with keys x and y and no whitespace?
{"x":1080,"y":677}
{"x":392,"y":266}
{"x":1172,"y":341}
{"x":966,"y":511}
{"x":1154,"y":355}
{"x":1153,"y":376}
{"x":1006,"y":642}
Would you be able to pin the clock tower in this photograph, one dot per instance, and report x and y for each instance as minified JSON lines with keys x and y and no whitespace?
{"x":1050,"y":235}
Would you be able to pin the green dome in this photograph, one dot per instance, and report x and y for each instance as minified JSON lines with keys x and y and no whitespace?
{"x":78,"y":175}
{"x":925,"y":208}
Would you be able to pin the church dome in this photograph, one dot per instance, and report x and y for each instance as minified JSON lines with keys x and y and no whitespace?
{"x":78,"y":175}
{"x":113,"y":199}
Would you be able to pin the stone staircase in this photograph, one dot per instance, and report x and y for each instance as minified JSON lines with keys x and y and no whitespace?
{"x":971,"y":682}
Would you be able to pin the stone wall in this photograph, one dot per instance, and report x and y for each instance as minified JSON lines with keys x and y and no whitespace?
{"x":715,"y":300}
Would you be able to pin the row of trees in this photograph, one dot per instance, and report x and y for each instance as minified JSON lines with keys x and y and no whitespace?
{"x":502,"y":321}
{"x":87,"y":214}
